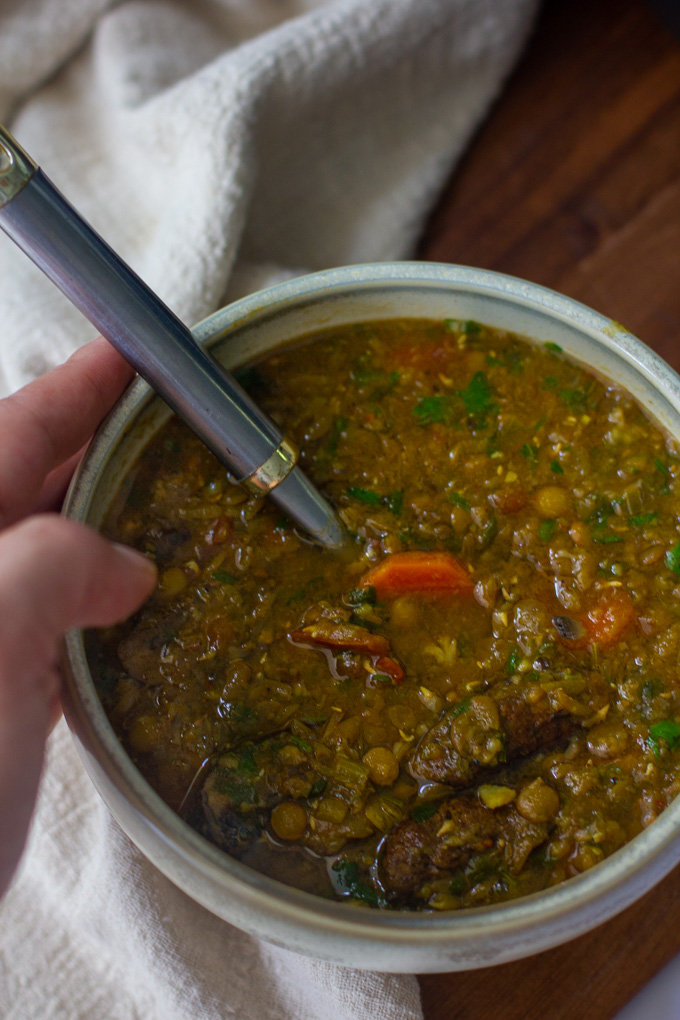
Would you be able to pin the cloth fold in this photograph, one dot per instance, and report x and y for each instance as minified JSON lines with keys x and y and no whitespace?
{"x":219,"y":146}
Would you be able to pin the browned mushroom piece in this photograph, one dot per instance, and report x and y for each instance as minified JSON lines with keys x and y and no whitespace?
{"x":417,"y":853}
{"x":492,"y":729}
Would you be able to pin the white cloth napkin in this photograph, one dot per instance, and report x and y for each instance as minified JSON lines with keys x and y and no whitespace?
{"x":218,"y":145}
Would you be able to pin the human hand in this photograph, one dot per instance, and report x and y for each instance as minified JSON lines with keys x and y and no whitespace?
{"x":54,"y":573}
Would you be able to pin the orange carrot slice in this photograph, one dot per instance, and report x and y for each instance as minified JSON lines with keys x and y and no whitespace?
{"x":418,"y":573}
{"x":607,"y":621}
{"x":603,"y":624}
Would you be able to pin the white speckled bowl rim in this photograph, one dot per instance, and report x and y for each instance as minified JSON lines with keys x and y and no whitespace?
{"x":405,"y":940}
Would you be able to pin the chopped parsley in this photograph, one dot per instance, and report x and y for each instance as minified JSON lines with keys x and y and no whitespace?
{"x":556,"y":467}
{"x":665,"y":471}
{"x":602,"y":535}
{"x":513,"y":661}
{"x":458,"y":884}
{"x":394,"y":501}
{"x":600,"y":531}
{"x":366,"y":496}
{"x":550,"y":346}
{"x":488,"y":531}
{"x":601,"y":513}
{"x":339,"y":425}
{"x":477,"y":400}
{"x":546,"y":530}
{"x":363,"y":596}
{"x":469,"y":326}
{"x":460,"y":708}
{"x":574,"y":399}
{"x":673,"y":559}
{"x":481,"y":867}
{"x":667,"y":730}
{"x":304,"y":745}
{"x":530,"y":452}
{"x":224,"y":577}
{"x":639,"y":520}
{"x":229,"y":782}
{"x":246,"y":762}
{"x":457,"y":500}
{"x":430,"y":410}
{"x":477,"y":397}
{"x":318,"y":787}
{"x":384,"y":382}
{"x":350,"y":881}
{"x":423,"y":812}
{"x":651,"y":688}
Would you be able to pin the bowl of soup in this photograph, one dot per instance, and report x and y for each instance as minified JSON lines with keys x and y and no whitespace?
{"x":457,"y":742}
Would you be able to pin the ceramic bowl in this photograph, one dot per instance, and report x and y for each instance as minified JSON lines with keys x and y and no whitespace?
{"x":343,"y":933}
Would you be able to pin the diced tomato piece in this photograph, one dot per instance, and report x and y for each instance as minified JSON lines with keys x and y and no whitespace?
{"x":390,"y":667}
{"x":418,"y":573}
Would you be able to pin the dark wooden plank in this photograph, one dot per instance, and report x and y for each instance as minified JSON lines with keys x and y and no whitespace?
{"x":574,"y":182}
{"x":592,"y":977}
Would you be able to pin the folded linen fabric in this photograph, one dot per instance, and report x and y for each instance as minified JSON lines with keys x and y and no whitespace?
{"x":219,"y":145}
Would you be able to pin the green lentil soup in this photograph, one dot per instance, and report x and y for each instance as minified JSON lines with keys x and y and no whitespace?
{"x":481,"y":698}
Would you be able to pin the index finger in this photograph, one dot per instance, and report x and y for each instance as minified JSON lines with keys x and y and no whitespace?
{"x":50,"y":419}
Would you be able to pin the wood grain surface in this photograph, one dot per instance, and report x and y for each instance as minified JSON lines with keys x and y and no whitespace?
{"x":590,"y":978}
{"x":574,"y":183}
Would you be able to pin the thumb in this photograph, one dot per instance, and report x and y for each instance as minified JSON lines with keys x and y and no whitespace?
{"x":54,"y":575}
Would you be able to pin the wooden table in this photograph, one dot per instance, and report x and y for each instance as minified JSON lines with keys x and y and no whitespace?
{"x":574,"y":182}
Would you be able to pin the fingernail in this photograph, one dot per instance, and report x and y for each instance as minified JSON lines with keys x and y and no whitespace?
{"x":136,"y":560}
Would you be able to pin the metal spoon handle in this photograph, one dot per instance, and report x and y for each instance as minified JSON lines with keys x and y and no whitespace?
{"x":155,"y":342}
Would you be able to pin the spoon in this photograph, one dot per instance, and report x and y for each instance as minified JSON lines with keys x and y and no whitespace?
{"x":155,"y":342}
